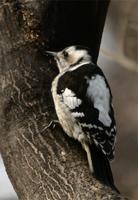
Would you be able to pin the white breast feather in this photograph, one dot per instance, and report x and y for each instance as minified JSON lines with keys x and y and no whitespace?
{"x":99,"y":94}
{"x":70,"y":99}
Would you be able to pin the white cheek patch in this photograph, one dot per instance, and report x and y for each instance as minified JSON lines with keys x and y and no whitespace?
{"x":62,"y":64}
{"x":99,"y":94}
{"x":70,"y":99}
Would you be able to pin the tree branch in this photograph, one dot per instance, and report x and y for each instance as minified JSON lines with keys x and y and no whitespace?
{"x":43,"y":163}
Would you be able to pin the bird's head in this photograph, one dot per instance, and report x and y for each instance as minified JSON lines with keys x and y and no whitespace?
{"x":71,"y":56}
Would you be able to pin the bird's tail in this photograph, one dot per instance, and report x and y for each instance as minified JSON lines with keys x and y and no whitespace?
{"x":101,"y":167}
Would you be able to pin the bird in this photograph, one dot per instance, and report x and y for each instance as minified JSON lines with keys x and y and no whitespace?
{"x":83,"y":104}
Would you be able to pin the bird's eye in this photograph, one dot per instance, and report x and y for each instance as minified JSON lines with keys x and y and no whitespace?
{"x":65,"y":54}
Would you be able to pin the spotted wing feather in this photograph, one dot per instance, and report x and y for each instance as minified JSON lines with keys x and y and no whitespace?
{"x":87,"y":94}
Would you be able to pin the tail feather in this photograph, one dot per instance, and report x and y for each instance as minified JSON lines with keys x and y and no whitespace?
{"x":101,"y":167}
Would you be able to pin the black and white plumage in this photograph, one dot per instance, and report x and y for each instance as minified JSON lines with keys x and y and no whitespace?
{"x":83,"y":103}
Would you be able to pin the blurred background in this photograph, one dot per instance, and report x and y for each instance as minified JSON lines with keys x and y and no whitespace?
{"x":119,"y":60}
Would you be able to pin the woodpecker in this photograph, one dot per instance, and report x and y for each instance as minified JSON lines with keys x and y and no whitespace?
{"x":83,"y":104}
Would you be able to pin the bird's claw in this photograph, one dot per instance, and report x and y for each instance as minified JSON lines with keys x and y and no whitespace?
{"x":51,"y":125}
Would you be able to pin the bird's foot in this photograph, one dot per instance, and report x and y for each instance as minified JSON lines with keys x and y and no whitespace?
{"x":51,"y":125}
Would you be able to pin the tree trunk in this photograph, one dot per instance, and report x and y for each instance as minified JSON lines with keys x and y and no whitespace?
{"x":43,"y":163}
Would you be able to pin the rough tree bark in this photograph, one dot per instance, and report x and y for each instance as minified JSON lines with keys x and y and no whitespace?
{"x":43,"y":164}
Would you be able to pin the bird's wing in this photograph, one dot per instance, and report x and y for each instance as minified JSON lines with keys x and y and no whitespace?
{"x":86,"y":93}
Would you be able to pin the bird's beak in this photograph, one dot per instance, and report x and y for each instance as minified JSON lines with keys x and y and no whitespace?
{"x":51,"y":53}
